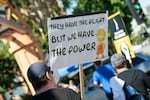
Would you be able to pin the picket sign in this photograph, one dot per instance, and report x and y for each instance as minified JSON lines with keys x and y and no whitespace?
{"x":77,"y":39}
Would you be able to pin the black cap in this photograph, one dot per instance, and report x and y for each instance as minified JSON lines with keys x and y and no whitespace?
{"x":36,"y":71}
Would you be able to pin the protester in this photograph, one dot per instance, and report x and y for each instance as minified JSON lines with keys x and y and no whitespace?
{"x":70,"y":85}
{"x":63,"y":85}
{"x":13,"y":96}
{"x":16,"y":97}
{"x":73,"y":86}
{"x":40,"y":75}
{"x":101,"y":77}
{"x":133,"y":77}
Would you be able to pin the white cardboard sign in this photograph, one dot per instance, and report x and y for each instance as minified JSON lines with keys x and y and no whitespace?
{"x":77,"y":40}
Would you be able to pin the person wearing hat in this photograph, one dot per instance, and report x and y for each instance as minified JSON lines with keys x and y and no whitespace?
{"x":134,"y":77}
{"x":40,"y":75}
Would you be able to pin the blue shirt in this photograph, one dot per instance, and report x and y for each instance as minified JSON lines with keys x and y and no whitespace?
{"x":102,"y":76}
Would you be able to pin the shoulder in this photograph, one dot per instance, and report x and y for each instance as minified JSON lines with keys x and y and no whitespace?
{"x":115,"y":81}
{"x":108,"y":66}
{"x":96,"y":71}
{"x":130,"y":74}
{"x":140,"y":71}
{"x":132,"y":71}
{"x":59,"y":89}
{"x":97,"y":74}
{"x":64,"y":90}
{"x":57,"y":94}
{"x":70,"y":93}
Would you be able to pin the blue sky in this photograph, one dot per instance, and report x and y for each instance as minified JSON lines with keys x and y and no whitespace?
{"x":144,"y":3}
{"x":69,"y":11}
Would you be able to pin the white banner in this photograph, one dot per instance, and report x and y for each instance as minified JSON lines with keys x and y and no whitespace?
{"x":77,"y":40}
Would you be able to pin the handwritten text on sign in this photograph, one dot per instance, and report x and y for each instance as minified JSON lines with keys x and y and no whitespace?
{"x":74,"y":40}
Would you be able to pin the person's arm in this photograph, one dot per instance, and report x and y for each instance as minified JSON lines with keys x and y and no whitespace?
{"x":95,"y":80}
{"x":97,"y":85}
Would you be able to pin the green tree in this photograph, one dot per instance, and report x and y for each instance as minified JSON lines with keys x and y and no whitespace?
{"x":113,"y":6}
{"x":8,"y":66}
{"x":35,"y":13}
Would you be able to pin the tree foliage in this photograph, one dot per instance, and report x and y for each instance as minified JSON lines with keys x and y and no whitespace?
{"x":113,"y":6}
{"x":8,"y":66}
{"x":35,"y":14}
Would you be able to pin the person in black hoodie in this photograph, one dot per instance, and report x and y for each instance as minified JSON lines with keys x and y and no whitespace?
{"x":40,"y":75}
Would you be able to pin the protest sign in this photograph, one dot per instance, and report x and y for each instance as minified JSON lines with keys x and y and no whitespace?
{"x":117,"y":26}
{"x":77,"y":39}
{"x":121,"y":39}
